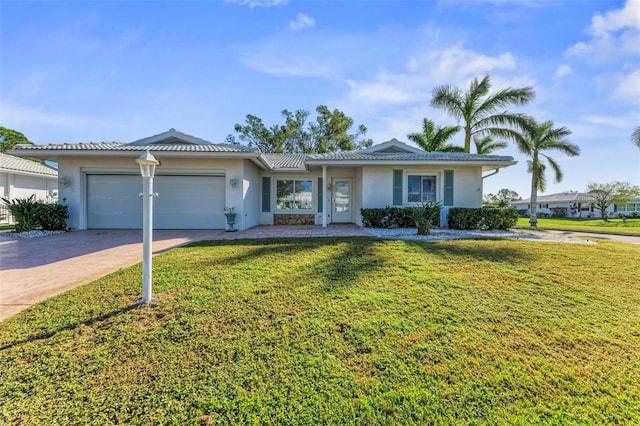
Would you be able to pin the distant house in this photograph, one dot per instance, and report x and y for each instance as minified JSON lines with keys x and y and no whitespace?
{"x":197,"y":179}
{"x":573,"y":204}
{"x":20,"y":178}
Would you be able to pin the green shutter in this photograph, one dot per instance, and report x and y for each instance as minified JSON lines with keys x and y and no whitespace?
{"x":448,"y":188}
{"x":397,"y":187}
{"x":266,"y":194}
{"x":320,"y":188}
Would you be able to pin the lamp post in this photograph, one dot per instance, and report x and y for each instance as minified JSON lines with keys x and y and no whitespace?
{"x":148,"y":165}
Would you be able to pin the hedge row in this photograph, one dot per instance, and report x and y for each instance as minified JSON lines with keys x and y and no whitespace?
{"x":482,"y":218}
{"x":401,"y":217}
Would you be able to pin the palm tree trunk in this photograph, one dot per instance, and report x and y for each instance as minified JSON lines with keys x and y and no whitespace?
{"x":467,"y":139}
{"x":533,"y":218}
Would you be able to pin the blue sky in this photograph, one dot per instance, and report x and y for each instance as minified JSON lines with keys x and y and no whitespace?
{"x":122,"y":70}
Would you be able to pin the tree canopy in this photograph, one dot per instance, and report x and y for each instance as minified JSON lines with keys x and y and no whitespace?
{"x":635,"y":137}
{"x":606,"y":194}
{"x":481,"y":111}
{"x":328,"y":133}
{"x":502,"y":197}
{"x":10,"y":137}
{"x":434,"y":138}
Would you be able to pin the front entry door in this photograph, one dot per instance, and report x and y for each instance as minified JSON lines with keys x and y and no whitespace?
{"x":342,"y":201}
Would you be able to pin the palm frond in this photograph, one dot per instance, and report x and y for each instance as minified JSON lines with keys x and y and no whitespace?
{"x":448,"y":98}
{"x":635,"y":137}
{"x":487,"y":145}
{"x":556,"y":168}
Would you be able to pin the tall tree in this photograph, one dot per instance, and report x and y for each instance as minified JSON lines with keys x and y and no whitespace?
{"x":533,"y":140}
{"x":635,"y":137}
{"x":434,"y":138}
{"x":487,"y":145}
{"x":329,"y":133}
{"x":483,"y":112}
{"x":605,"y":194}
{"x":502,"y":198}
{"x":10,"y":137}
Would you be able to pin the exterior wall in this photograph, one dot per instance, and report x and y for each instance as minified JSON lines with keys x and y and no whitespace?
{"x":332,"y":173}
{"x":72,"y":175}
{"x":377,"y":190}
{"x":14,"y":185}
{"x":251,"y":196}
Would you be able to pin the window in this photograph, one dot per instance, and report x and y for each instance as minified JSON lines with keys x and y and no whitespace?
{"x":294,"y":195}
{"x":421,"y":189}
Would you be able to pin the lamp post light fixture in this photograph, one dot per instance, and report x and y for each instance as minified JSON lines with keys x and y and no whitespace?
{"x":148,"y":165}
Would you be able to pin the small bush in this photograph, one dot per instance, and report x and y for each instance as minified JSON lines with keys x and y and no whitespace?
{"x":390,"y":217}
{"x":425,"y":216}
{"x":31,"y":214}
{"x":53,"y":217}
{"x":482,"y":218}
{"x":24,"y":212}
{"x":558,"y":211}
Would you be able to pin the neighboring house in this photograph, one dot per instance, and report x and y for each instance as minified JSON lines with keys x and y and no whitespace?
{"x":196,"y":179}
{"x":573,"y":204}
{"x":20,"y":178}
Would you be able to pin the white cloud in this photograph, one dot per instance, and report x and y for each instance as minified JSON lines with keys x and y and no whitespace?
{"x":614,"y":34}
{"x":259,"y":3}
{"x":563,"y":70}
{"x":627,"y":17}
{"x":302,"y":22}
{"x":455,"y":61}
{"x":628,"y":87}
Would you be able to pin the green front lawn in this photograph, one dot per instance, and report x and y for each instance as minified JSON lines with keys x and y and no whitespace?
{"x":338,"y":331}
{"x":613,"y":226}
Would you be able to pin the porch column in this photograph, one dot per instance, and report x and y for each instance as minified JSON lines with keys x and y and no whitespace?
{"x":324,"y":196}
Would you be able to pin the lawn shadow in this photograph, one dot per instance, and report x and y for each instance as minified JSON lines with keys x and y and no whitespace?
{"x":475,"y":249}
{"x":341,"y":268}
{"x":46,"y":334}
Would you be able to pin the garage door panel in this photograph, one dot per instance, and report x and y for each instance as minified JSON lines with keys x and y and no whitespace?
{"x":183,"y":202}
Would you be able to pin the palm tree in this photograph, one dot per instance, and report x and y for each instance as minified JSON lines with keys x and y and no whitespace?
{"x":635,"y":137}
{"x":483,"y":112}
{"x":434,"y":138}
{"x":534,"y":139}
{"x":487,"y":145}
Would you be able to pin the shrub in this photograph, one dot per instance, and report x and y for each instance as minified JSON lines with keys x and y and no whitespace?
{"x":373,"y":218}
{"x":53,"y":217}
{"x":425,"y":216}
{"x":388,"y":217}
{"x":31,"y":214}
{"x":24,"y":212}
{"x":482,"y":218}
{"x":558,"y":211}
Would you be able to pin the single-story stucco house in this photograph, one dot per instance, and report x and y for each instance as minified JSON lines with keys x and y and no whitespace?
{"x":574,"y":204}
{"x":196,"y":180}
{"x":20,"y":178}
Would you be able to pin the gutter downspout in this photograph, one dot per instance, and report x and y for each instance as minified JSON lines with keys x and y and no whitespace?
{"x":492,"y":174}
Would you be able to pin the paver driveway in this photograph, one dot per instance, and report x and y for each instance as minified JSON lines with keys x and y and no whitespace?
{"x":32,"y":270}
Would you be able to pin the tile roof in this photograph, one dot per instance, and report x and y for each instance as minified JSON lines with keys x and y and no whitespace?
{"x":286,"y":161}
{"x":560,"y":197}
{"x":406,"y":156}
{"x":118,"y":146}
{"x":9,"y":163}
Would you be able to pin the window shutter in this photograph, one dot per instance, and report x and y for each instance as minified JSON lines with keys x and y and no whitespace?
{"x":320,"y":187}
{"x":397,"y":187}
{"x":448,"y":188}
{"x":266,"y":194}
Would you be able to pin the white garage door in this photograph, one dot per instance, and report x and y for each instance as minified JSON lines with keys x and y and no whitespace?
{"x":183,"y":202}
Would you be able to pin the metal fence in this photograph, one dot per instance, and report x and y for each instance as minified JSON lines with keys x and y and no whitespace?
{"x":5,"y":215}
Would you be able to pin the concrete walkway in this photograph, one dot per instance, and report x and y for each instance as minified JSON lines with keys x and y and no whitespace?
{"x":596,"y":236}
{"x":32,"y":270}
